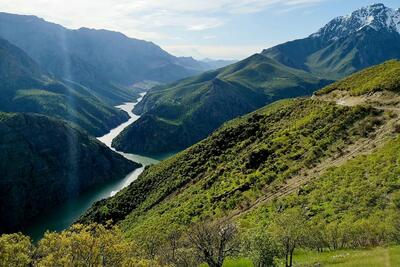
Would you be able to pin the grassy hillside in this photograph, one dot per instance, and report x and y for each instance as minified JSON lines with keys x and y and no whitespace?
{"x":24,"y":87}
{"x":44,"y":161}
{"x":180,"y":114}
{"x":265,"y":155}
{"x":231,"y":167}
{"x":384,"y":77}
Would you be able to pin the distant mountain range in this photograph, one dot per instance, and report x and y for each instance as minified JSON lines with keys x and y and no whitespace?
{"x":107,"y":62}
{"x":217,"y":63}
{"x":182,"y":113}
{"x":25,"y":87}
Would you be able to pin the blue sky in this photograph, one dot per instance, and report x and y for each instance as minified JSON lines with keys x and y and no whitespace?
{"x":227,"y":29}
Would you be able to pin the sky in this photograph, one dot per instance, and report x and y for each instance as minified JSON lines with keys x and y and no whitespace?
{"x":217,"y":29}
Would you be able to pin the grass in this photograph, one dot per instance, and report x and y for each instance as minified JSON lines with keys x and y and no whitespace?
{"x":380,"y":256}
{"x":240,"y":262}
{"x":382,"y":77}
{"x":376,"y":257}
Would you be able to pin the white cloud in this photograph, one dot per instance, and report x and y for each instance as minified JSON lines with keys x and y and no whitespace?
{"x":209,"y":37}
{"x":143,"y":18}
{"x":161,"y":21}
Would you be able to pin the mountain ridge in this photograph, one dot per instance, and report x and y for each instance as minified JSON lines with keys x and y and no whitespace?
{"x":180,"y":114}
{"x":25,"y":87}
{"x":345,"y":44}
{"x":106,"y":62}
{"x":376,"y":16}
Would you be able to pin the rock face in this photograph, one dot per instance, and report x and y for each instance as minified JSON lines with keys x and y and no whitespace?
{"x":377,"y":16}
{"x":44,"y":162}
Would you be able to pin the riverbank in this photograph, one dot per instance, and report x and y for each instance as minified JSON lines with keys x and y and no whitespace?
{"x":64,"y":215}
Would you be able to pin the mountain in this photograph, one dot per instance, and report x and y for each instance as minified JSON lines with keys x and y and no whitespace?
{"x":44,"y":161}
{"x":334,"y":156}
{"x":182,"y":113}
{"x":106,"y":62}
{"x":369,"y":36}
{"x":218,"y":63}
{"x":25,"y":87}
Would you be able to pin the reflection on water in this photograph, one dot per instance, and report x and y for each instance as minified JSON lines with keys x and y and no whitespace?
{"x":64,"y":215}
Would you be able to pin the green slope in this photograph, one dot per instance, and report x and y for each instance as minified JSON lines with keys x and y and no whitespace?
{"x":24,"y":87}
{"x":385,"y":77}
{"x":180,"y":114}
{"x":44,"y":161}
{"x":260,"y":156}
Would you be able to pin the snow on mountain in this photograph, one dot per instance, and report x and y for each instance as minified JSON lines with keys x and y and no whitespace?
{"x":377,"y":17}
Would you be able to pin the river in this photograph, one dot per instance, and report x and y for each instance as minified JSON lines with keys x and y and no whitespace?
{"x":65,"y":214}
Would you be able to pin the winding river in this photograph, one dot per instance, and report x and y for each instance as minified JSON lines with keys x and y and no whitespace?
{"x":64,"y":215}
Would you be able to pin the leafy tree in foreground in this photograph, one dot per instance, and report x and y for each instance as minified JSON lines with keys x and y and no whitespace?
{"x":290,"y":229}
{"x":214,"y":241}
{"x":15,"y":250}
{"x":90,"y":245}
{"x":261,"y":248}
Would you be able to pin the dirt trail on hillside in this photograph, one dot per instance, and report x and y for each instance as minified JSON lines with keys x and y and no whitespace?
{"x":360,"y":147}
{"x":354,"y":101}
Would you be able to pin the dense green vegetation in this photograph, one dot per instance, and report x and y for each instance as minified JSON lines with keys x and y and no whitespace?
{"x":24,"y":87}
{"x":44,"y":162}
{"x":230,"y":174}
{"x":231,"y":167}
{"x":354,"y":205}
{"x":91,"y":245}
{"x":97,"y":245}
{"x":180,"y":114}
{"x":377,"y":78}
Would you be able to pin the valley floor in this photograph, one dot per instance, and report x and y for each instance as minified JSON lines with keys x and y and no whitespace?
{"x":376,"y":257}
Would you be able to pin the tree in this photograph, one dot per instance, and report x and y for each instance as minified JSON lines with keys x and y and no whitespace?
{"x":151,"y":241}
{"x":86,"y":245}
{"x":290,"y":230}
{"x":261,"y":248}
{"x":317,"y":238}
{"x":15,"y":250}
{"x":214,"y":241}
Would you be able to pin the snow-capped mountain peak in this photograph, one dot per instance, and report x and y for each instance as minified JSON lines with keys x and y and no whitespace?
{"x":377,"y":16}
